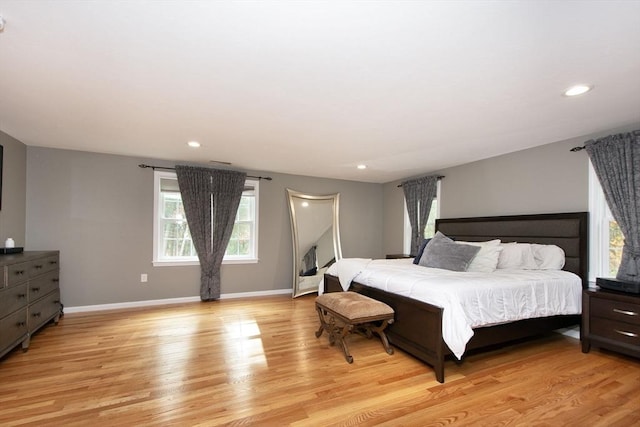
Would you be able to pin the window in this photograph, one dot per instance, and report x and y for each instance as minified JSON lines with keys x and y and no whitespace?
{"x":172,"y":243}
{"x":606,"y":240}
{"x":430,"y":228}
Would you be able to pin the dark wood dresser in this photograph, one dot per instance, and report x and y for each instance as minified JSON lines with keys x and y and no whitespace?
{"x":611,"y":320}
{"x":29,"y":296}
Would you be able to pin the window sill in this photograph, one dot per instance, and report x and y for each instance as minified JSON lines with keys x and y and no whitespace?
{"x":190,"y":263}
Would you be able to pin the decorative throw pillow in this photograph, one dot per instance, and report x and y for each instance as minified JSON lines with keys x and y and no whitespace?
{"x":486,"y":260}
{"x":424,"y":243}
{"x":442,"y":252}
{"x":518,"y":256}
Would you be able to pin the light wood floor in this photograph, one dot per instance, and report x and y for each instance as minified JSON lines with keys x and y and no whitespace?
{"x":257,"y":362}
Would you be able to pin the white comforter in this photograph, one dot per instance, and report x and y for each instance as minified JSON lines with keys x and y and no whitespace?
{"x":469,"y":300}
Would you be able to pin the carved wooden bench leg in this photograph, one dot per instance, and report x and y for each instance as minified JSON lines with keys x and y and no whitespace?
{"x":383,"y":337}
{"x":323,"y":324}
{"x":346,"y":330}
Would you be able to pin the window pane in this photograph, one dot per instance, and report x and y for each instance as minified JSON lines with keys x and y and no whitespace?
{"x":430,"y":228}
{"x":245,"y":209}
{"x":172,"y":206}
{"x":176,"y":236}
{"x":176,"y":230}
{"x":232,"y":248}
{"x":616,"y":241}
{"x":243,"y":231}
{"x":243,"y":247}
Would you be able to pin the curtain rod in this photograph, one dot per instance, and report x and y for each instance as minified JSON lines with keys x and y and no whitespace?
{"x":439,"y":178}
{"x":143,"y":166}
{"x":634,"y":132}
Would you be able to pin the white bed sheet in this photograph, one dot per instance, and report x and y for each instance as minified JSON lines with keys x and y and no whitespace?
{"x":471,"y":300}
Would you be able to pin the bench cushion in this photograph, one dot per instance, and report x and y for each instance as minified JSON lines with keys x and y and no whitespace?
{"x":353,"y":306}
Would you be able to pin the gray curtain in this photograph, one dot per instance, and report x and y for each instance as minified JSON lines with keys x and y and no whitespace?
{"x":616,"y":161}
{"x":419,"y":194}
{"x":211,"y":198}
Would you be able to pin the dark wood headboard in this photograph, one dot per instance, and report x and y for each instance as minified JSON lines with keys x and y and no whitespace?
{"x":566,"y":230}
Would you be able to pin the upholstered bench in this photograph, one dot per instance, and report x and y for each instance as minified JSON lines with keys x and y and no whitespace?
{"x":344,"y":312}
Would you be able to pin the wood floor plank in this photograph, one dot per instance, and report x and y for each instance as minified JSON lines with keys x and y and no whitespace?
{"x":257,"y":362}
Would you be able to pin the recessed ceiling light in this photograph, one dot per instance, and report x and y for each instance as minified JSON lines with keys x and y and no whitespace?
{"x":577,"y":90}
{"x":193,"y":144}
{"x":305,"y":204}
{"x":361,"y":166}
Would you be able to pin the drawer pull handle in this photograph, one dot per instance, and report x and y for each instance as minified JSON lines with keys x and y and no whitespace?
{"x":20,"y":324}
{"x":35,"y":289}
{"x":53,"y":262}
{"x":36,"y":314}
{"x":37,"y":267}
{"x":19,"y":272}
{"x":20,"y":296}
{"x":625,"y":312}
{"x":626,"y":334}
{"x":55,"y":280}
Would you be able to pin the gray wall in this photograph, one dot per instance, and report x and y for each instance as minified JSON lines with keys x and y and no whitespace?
{"x":14,"y":184}
{"x":97,"y":209}
{"x":543,"y":179}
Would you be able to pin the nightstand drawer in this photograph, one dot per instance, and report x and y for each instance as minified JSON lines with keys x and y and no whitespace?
{"x":617,"y":331}
{"x":616,"y":310}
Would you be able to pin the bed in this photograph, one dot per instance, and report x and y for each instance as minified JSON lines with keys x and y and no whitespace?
{"x":418,"y":325}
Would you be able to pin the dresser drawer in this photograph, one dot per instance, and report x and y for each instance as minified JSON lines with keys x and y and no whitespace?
{"x":13,"y":328}
{"x":43,"y":265}
{"x":616,"y":310}
{"x":42,"y":285}
{"x":17,"y":273}
{"x":44,"y":309}
{"x":11,"y":299}
{"x":618,"y":331}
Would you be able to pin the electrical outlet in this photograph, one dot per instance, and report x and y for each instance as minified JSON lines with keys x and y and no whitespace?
{"x":143,"y":278}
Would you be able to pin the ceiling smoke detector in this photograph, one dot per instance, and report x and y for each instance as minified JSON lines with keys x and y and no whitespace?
{"x":2,"y":21}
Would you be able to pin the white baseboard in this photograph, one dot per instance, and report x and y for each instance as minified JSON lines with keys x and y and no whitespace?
{"x":149,"y":303}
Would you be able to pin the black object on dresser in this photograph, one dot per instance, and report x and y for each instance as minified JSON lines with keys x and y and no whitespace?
{"x":29,"y":296}
{"x":611,"y":320}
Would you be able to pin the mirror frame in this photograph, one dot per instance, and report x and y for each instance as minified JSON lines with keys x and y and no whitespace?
{"x":337,"y":249}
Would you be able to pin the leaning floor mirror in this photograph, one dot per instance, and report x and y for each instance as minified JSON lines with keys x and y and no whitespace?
{"x":315,"y":234}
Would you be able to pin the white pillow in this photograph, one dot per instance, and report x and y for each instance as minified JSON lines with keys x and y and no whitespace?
{"x":486,"y":260}
{"x":548,"y":257}
{"x":517,"y":256}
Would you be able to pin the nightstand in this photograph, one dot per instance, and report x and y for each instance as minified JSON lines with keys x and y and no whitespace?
{"x":611,"y":320}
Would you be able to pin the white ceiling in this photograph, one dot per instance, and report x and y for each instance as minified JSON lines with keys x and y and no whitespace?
{"x":315,"y":88}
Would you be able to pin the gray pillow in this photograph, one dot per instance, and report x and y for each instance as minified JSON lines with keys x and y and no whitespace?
{"x":442,"y":252}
